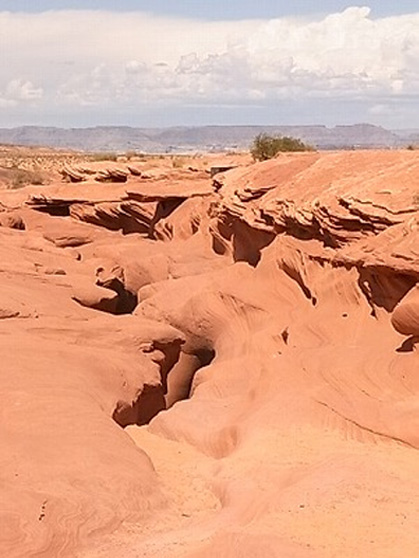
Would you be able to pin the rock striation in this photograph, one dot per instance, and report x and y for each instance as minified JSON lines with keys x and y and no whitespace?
{"x":197,"y":366}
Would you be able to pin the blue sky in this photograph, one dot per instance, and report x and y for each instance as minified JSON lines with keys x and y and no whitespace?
{"x":167,"y":62}
{"x":216,"y":9}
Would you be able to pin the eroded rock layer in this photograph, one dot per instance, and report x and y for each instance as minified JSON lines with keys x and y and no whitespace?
{"x":193,"y":368}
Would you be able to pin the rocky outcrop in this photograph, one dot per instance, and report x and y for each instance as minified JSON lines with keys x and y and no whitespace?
{"x":73,"y":174}
{"x":191,"y":370}
{"x":405,"y":318}
{"x":335,"y":198}
{"x":112,"y":175}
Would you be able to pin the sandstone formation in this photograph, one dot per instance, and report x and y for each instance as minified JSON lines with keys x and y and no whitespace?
{"x":112,"y":175}
{"x":197,"y":367}
{"x":72,"y":174}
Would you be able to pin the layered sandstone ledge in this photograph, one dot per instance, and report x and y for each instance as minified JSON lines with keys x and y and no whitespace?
{"x":196,"y":367}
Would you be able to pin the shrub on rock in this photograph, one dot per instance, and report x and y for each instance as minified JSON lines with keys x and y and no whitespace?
{"x":265,"y":147}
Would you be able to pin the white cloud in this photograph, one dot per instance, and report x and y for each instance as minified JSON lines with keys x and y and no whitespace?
{"x":21,"y":90}
{"x":105,"y":59}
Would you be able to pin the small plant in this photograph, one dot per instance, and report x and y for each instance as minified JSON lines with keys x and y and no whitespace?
{"x":104,"y":156}
{"x":36,"y":179}
{"x":265,"y":147}
{"x":19,"y":178}
{"x":134,"y":155}
{"x":177,"y":163}
{"x":412,"y":147}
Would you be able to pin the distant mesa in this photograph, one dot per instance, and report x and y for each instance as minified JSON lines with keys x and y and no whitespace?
{"x":203,"y":138}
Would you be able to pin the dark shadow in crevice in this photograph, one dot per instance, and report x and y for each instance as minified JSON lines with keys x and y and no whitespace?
{"x":295,"y":275}
{"x":163,"y":210}
{"x":150,"y":399}
{"x":249,"y":242}
{"x":408,"y":345}
{"x":384,"y":288}
{"x":126,"y":302}
{"x":146,"y":406}
{"x":221,"y":234}
{"x":180,"y":379}
{"x":177,"y":371}
{"x":62,"y":210}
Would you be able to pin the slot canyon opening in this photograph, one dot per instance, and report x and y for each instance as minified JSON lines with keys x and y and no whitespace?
{"x":126,"y":301}
{"x":117,"y":303}
{"x":177,"y":374}
{"x":180,"y":379}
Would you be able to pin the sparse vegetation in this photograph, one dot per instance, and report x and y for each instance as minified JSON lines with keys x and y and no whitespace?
{"x":266,"y":147}
{"x":177,"y":163}
{"x":104,"y":156}
{"x":19,"y":178}
{"x":135,"y":155}
{"x":412,"y":147}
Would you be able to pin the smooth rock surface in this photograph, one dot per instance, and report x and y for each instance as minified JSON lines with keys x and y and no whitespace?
{"x":190,"y":371}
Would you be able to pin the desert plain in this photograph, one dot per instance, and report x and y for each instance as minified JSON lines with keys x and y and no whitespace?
{"x":196,"y":366}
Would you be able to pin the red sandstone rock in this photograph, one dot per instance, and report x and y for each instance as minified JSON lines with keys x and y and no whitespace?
{"x":189,"y":372}
{"x":405,"y":317}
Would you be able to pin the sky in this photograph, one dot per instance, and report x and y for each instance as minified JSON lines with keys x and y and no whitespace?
{"x":169,"y":63}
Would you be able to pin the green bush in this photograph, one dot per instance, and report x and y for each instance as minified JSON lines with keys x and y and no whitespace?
{"x":265,"y":147}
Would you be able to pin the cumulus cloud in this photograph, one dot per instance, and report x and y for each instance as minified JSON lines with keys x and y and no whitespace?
{"x":106,"y":59}
{"x":21,"y":90}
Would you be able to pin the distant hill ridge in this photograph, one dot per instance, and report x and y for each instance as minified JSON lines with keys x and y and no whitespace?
{"x":202,"y":138}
